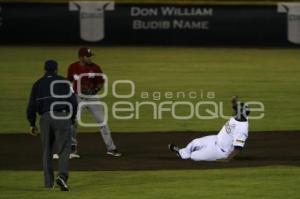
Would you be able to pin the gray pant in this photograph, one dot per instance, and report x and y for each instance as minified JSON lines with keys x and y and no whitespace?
{"x":55,"y":131}
{"x":98,"y":114}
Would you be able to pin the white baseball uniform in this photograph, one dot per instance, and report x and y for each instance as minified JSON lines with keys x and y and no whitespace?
{"x":214,"y":147}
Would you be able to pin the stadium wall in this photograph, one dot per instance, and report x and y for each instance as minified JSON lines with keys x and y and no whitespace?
{"x":112,"y":23}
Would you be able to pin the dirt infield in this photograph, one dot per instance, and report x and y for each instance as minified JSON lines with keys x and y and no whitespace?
{"x":148,"y":151}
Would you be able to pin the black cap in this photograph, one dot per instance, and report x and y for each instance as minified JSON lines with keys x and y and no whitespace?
{"x":50,"y":65}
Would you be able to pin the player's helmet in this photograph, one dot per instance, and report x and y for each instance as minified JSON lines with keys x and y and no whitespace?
{"x":85,"y":52}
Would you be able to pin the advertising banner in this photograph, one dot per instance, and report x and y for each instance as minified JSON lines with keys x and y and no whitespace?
{"x":105,"y":22}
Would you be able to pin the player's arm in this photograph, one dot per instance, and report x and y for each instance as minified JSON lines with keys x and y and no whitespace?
{"x":99,"y":80}
{"x":239,"y":143}
{"x":70,"y":74}
{"x":31,"y":111}
{"x":234,"y":153}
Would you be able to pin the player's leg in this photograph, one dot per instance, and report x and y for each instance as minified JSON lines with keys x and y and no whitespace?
{"x":209,"y":152}
{"x":73,"y":129}
{"x":74,"y":142}
{"x":47,"y":143}
{"x":195,"y":145}
{"x":98,"y":114}
{"x":63,"y":137}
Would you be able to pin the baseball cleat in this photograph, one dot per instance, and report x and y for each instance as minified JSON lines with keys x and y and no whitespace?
{"x":62,"y":184}
{"x":174,"y":149}
{"x":115,"y":153}
{"x":74,"y":156}
{"x":55,"y":156}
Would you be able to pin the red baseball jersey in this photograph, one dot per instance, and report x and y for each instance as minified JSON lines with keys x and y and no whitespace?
{"x":90,"y":80}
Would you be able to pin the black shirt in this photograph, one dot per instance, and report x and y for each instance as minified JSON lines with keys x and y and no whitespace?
{"x":41,"y":99}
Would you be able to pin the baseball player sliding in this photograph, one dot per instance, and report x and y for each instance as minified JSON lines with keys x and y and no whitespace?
{"x":90,"y":84}
{"x":224,"y":146}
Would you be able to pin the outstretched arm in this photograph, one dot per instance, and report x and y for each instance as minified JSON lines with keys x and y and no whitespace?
{"x":234,"y":153}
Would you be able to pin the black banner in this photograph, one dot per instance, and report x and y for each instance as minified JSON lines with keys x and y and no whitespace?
{"x":149,"y":24}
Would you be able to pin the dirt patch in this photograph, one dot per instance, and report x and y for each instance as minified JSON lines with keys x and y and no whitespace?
{"x":148,"y":151}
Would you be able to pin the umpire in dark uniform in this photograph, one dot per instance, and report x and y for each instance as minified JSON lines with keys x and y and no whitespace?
{"x":57,"y":110}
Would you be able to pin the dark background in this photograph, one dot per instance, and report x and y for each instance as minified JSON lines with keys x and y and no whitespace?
{"x":53,"y":23}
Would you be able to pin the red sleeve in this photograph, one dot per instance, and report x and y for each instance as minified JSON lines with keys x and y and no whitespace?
{"x":70,"y":73}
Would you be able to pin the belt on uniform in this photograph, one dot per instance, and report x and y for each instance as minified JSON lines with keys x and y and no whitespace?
{"x":56,"y":111}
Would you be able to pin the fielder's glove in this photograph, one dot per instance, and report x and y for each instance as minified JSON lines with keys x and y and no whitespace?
{"x":33,"y":131}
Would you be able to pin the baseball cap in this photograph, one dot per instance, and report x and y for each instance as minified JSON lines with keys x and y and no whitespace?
{"x":87,"y":52}
{"x":50,"y":65}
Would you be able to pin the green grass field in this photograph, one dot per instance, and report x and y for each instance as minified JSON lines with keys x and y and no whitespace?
{"x":263,"y":182}
{"x":267,"y":75}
